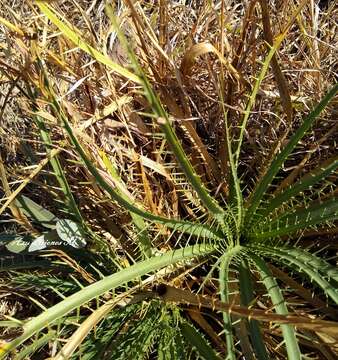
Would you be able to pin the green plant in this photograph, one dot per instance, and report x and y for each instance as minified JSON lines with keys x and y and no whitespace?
{"x":247,"y":234}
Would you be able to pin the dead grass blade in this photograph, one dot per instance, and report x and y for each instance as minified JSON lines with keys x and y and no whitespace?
{"x":144,"y":31}
{"x":200,"y":49}
{"x":72,"y":264}
{"x":296,"y":171}
{"x":172,"y":294}
{"x":16,"y":212}
{"x":282,"y":84}
{"x":197,"y":316}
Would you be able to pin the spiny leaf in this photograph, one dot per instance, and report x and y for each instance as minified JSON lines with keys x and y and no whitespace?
{"x":306,"y":182}
{"x":247,"y":296}
{"x":197,"y":341}
{"x":224,"y":294}
{"x":279,"y":305}
{"x":139,"y":223}
{"x":328,"y":270}
{"x":94,"y":290}
{"x":297,"y":219}
{"x":301,"y":264}
{"x":263,"y":185}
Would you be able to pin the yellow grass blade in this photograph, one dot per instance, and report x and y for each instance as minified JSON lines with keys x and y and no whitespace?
{"x":11,"y":26}
{"x":201,"y":49}
{"x":74,"y":36}
{"x":107,"y":110}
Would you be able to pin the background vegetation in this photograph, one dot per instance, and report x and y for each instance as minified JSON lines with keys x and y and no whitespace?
{"x":168,"y":174}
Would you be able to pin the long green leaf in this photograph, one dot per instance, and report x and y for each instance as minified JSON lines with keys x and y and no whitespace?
{"x":235,"y":194}
{"x":254,"y":93}
{"x":328,"y":270}
{"x":189,"y":171}
{"x":108,"y":283}
{"x":279,"y":305}
{"x":276,"y":165}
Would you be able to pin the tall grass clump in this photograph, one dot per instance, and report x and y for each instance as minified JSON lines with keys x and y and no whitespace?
{"x":169,"y":176}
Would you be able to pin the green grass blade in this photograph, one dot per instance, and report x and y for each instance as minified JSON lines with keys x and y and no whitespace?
{"x":306,"y":182}
{"x":247,"y":296}
{"x":279,"y":305}
{"x":303,"y":218}
{"x":108,"y":283}
{"x":254,"y":93}
{"x":276,"y":165}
